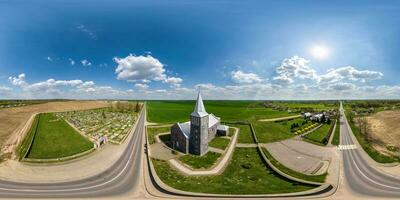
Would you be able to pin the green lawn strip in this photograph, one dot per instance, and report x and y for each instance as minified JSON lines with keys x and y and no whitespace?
{"x":245,"y":134}
{"x":273,"y":131}
{"x":55,"y":138}
{"x":336,"y":136}
{"x":319,"y":135}
{"x":198,"y":162}
{"x":231,"y":132}
{"x":219,"y":142}
{"x":288,"y":171}
{"x":371,"y":151}
{"x":153,"y":131}
{"x":26,"y":143}
{"x":245,"y":174}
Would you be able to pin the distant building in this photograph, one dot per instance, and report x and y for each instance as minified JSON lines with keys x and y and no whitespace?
{"x":193,"y":136}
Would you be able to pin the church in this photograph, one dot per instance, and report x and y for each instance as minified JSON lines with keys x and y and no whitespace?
{"x":193,"y":136}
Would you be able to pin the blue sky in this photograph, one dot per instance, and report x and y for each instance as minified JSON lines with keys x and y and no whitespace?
{"x":229,"y":49}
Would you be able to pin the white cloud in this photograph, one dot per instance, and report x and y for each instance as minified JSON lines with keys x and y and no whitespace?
{"x":141,"y":86}
{"x":143,"y":69}
{"x":294,"y":67}
{"x":174,"y":81}
{"x":72,"y":62}
{"x":242,"y":77}
{"x":5,"y":90}
{"x":18,"y":81}
{"x":283,"y":80}
{"x":86,"y":62}
{"x":349,"y":73}
{"x":342,"y":86}
{"x":49,"y":58}
{"x":87,"y":31}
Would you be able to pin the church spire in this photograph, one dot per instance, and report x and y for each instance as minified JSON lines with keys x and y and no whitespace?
{"x":199,"y":109}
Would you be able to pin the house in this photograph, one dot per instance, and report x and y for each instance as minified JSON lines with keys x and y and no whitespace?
{"x":193,"y":136}
{"x":307,"y":115}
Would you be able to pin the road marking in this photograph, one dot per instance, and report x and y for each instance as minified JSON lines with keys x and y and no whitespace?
{"x":347,"y":147}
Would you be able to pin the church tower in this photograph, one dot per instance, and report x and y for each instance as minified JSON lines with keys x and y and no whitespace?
{"x":198,"y":139}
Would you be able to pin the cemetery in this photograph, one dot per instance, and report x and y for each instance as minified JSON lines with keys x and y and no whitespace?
{"x":114,"y":124}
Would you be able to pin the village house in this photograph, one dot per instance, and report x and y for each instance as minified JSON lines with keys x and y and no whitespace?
{"x":193,"y":136}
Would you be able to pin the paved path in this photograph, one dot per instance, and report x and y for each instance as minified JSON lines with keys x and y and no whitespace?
{"x":246,"y":145}
{"x":217,"y":169}
{"x":301,"y":156}
{"x":280,"y":118}
{"x":216,"y":150}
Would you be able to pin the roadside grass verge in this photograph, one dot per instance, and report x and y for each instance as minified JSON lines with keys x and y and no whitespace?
{"x":336,"y":136}
{"x":367,"y":146}
{"x":26,"y":143}
{"x":55,"y":138}
{"x":245,"y":174}
{"x":199,"y":162}
{"x":153,"y":131}
{"x":245,"y":135}
{"x":319,"y":136}
{"x":219,"y":142}
{"x":288,"y":171}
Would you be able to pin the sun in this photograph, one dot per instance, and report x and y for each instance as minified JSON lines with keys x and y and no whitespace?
{"x":320,"y":52}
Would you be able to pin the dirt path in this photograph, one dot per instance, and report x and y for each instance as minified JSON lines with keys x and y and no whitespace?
{"x":13,"y":121}
{"x":280,"y":118}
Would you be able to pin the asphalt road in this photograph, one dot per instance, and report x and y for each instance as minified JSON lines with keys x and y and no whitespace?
{"x":360,"y":176}
{"x":122,"y":177}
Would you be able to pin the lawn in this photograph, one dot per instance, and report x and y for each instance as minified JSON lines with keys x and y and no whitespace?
{"x":274,"y":131}
{"x":27,"y":141}
{"x":55,"y":138}
{"x":319,"y":135}
{"x":245,"y":134}
{"x":198,"y":162}
{"x":153,"y":131}
{"x":219,"y":142}
{"x":367,"y":146}
{"x":246,"y":174}
{"x":336,"y":136}
{"x":179,"y":111}
{"x":288,"y":171}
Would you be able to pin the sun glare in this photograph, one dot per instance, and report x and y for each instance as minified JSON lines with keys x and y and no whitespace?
{"x":320,"y":52}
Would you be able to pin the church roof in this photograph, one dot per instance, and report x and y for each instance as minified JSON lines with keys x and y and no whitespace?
{"x":212,"y":120}
{"x":199,"y":109}
{"x":185,"y":128}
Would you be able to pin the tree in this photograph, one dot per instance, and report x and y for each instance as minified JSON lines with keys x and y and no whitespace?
{"x":137,"y":107}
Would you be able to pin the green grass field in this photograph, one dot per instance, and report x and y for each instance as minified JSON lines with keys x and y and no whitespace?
{"x":55,"y":138}
{"x":219,"y":142}
{"x":274,"y":131}
{"x":244,"y":134}
{"x":336,"y":136}
{"x":153,"y":131}
{"x":245,"y":174}
{"x":288,"y":171}
{"x":27,"y":141}
{"x":319,"y":135}
{"x":179,"y":111}
{"x":198,"y":162}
